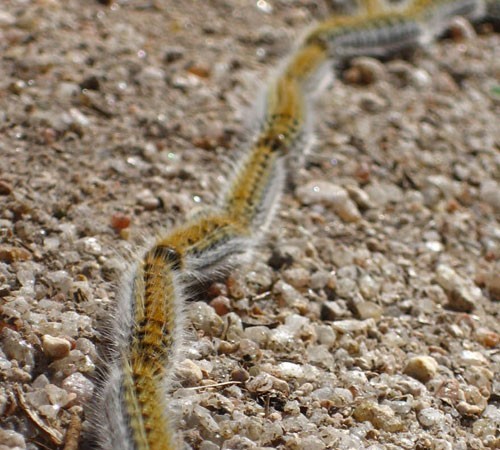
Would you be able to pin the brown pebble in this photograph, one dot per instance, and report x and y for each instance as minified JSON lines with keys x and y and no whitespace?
{"x":55,"y":347}
{"x":487,"y":337}
{"x":120,"y":221}
{"x":5,"y":188}
{"x":236,"y":287}
{"x":240,"y":374}
{"x":13,"y":254}
{"x":226,"y":348}
{"x":461,"y":29}
{"x":364,"y":71}
{"x":221,"y":304}
{"x":199,"y":71}
{"x":460,"y":299}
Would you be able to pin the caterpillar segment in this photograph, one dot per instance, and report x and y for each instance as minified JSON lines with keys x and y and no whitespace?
{"x":376,"y":34}
{"x":133,"y":411}
{"x":435,"y":16}
{"x":205,"y":243}
{"x":259,"y":180}
{"x":148,"y":333}
{"x":306,"y":62}
{"x":154,"y":341}
{"x":441,"y":10}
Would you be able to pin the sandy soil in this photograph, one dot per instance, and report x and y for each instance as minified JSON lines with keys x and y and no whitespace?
{"x":368,"y":319}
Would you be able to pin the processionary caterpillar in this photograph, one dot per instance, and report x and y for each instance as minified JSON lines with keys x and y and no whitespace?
{"x":132,"y":409}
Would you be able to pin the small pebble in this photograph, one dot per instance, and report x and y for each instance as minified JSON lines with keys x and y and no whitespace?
{"x":422,"y":368}
{"x":470,"y":358}
{"x":204,"y":317}
{"x":120,"y":221}
{"x":430,"y":417}
{"x":5,"y":188}
{"x":12,"y":254}
{"x":382,"y":193}
{"x":461,"y":29}
{"x":461,"y":299}
{"x":55,"y":347}
{"x":221,"y":305}
{"x":331,"y":311}
{"x":151,"y":76}
{"x":60,"y":280}
{"x":367,"y":310}
{"x":6,"y":19}
{"x":239,"y":374}
{"x":326,"y":335}
{"x":365,"y":70}
{"x":368,"y":287}
{"x":249,"y":350}
{"x":264,"y":383}
{"x":66,"y":91}
{"x":89,"y":245}
{"x":9,"y":439}
{"x":233,"y":327}
{"x":78,"y":384}
{"x":312,"y":443}
{"x":461,"y":296}
{"x":17,"y":348}
{"x":353,"y":326}
{"x":331,"y":195}
{"x":189,"y":373}
{"x":360,"y":197}
{"x":148,"y":200}
{"x":208,"y":445}
{"x":487,"y":337}
{"x":258,"y":334}
{"x":297,"y":277}
{"x":57,"y":396}
{"x":371,"y":102}
{"x":380,"y":416}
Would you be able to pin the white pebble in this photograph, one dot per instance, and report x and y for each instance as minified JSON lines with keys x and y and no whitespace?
{"x":11,"y":440}
{"x":77,"y":384}
{"x":368,"y":287}
{"x":331,"y":195}
{"x":353,"y":326}
{"x":89,"y":245}
{"x":469,"y":358}
{"x":61,"y":280}
{"x":17,"y":348}
{"x":430,"y":417}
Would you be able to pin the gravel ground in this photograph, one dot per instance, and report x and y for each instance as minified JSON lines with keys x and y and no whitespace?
{"x":369,"y":318}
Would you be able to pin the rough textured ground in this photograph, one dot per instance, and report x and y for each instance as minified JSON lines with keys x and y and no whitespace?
{"x":368,"y":319}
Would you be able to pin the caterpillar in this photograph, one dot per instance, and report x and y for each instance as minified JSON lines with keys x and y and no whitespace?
{"x":131,"y":408}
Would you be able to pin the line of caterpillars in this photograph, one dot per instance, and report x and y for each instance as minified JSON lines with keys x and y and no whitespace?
{"x":132,"y":411}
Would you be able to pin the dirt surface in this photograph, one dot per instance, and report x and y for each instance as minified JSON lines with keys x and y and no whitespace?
{"x":369,"y":318}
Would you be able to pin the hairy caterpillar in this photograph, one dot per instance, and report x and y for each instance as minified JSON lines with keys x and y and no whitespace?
{"x":132,"y":406}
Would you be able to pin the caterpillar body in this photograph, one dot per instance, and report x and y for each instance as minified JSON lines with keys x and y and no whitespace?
{"x":132,"y":407}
